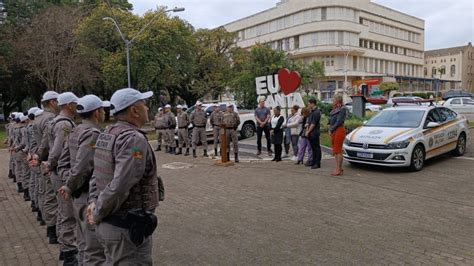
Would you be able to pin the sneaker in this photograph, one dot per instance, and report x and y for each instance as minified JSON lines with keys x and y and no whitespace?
{"x":294,"y":158}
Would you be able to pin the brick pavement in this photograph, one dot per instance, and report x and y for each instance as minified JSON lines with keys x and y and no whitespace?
{"x":280,"y":213}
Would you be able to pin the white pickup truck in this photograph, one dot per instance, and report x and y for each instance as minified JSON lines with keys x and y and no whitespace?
{"x":246,"y":128}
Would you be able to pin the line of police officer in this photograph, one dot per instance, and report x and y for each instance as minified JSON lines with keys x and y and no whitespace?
{"x":165,"y":124}
{"x":96,"y":191}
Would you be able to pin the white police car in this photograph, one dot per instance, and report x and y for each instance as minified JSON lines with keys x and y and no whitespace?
{"x":405,"y":136}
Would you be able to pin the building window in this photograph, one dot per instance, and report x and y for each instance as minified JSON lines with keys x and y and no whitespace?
{"x":442,"y":70}
{"x":324,"y":13}
{"x":433,"y":71}
{"x":354,"y":62}
{"x":425,"y":71}
{"x":453,"y":70}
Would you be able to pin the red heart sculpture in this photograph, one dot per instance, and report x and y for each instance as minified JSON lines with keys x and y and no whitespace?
{"x":289,"y":81}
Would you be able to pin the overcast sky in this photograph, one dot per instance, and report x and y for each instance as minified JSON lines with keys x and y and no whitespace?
{"x":447,"y":23}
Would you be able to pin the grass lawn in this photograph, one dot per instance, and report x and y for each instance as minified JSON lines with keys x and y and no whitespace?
{"x":3,"y":136}
{"x":471,"y":124}
{"x":325,"y":139}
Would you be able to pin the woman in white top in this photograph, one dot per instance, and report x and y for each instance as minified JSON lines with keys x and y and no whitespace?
{"x":292,"y":131}
{"x":277,"y":132}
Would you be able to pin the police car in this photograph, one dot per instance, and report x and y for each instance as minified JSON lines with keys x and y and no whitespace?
{"x":405,"y":136}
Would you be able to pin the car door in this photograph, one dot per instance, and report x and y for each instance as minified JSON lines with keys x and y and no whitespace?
{"x":434,"y":137}
{"x":468,"y":106}
{"x":456,"y":105}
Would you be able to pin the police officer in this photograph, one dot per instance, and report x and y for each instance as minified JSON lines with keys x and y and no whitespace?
{"x":170,"y":117}
{"x":77,"y":164}
{"x":160,"y":126}
{"x":46,"y":195}
{"x":216,"y":120}
{"x":8,"y":129}
{"x":19,"y":154}
{"x":199,"y":121}
{"x":33,"y":170}
{"x":183,"y":135}
{"x":125,"y":186}
{"x":34,"y":166}
{"x":231,"y":121}
{"x":60,"y":127}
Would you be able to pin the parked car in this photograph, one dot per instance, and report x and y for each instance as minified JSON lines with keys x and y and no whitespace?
{"x":456,"y":94}
{"x":368,"y":107}
{"x":406,"y":136}
{"x":464,"y":105}
{"x":2,"y":117}
{"x":246,"y":128}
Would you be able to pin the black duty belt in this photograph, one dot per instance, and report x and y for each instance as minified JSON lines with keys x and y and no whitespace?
{"x":182,"y":127}
{"x":160,"y":128}
{"x":118,"y":221}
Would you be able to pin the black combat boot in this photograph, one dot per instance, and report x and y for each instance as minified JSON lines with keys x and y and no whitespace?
{"x":20,"y":187}
{"x":187,"y":152}
{"x":173,"y":150}
{"x":158,"y":148}
{"x":26,"y":195}
{"x":10,"y":174}
{"x":215,"y":152}
{"x":14,"y":178}
{"x":70,"y":258}
{"x":53,"y":237}
{"x":180,"y":151}
{"x":61,"y":255}
{"x":194,"y":153}
{"x":236,"y":157}
{"x":34,"y":208}
{"x":205,"y":154}
{"x":39,"y":218}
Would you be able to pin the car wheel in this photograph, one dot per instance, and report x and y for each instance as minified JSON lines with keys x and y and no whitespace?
{"x":460,"y":146}
{"x":417,"y":158}
{"x":247,"y":131}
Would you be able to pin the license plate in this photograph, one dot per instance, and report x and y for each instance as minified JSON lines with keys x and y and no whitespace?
{"x":365,"y":155}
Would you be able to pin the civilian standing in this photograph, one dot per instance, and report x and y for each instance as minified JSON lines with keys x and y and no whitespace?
{"x":263,"y":116}
{"x":303,"y":143}
{"x":292,"y":130}
{"x":337,"y":131}
{"x":313,"y":134}
{"x":277,"y":132}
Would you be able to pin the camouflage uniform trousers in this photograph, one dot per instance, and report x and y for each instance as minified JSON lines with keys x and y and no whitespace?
{"x":161,"y":137}
{"x":199,"y":134}
{"x":216,"y":134}
{"x":231,"y":135}
{"x":22,"y":169}
{"x":48,"y":201}
{"x":34,"y":183}
{"x":90,"y":249}
{"x":65,"y":223}
{"x":170,"y":137}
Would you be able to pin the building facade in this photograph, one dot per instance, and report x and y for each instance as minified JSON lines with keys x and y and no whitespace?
{"x":454,"y":67}
{"x":354,"y":39}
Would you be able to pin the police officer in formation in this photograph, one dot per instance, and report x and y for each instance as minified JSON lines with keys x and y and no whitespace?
{"x":160,"y":127}
{"x":199,"y":121}
{"x":183,"y":136}
{"x":231,"y":120}
{"x":216,"y":120}
{"x":171,"y":126}
{"x":125,"y":188}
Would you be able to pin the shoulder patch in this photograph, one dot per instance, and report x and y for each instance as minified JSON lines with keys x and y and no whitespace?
{"x":137,"y":153}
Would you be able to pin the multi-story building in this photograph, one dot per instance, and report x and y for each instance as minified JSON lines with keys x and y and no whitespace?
{"x":354,"y":39}
{"x":454,"y":67}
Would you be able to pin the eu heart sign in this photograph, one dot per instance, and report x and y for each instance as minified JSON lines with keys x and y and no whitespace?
{"x":280,"y":89}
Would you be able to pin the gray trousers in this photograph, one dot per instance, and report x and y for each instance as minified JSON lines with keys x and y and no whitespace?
{"x":34,"y":183}
{"x":120,"y":250}
{"x":66,"y":223}
{"x":12,"y":163}
{"x":170,"y":137}
{"x":199,"y":134}
{"x":90,"y":249}
{"x":161,"y":137}
{"x":216,"y":134}
{"x":231,"y":135}
{"x":50,"y":203}
{"x":183,"y":137}
{"x":22,"y":170}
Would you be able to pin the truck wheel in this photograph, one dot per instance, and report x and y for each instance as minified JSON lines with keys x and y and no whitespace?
{"x":247,"y":131}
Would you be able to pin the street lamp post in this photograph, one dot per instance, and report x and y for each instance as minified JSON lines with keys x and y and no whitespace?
{"x":128,"y":42}
{"x":346,"y":55}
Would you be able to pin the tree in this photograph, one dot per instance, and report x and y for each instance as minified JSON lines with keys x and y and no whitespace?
{"x":310,"y":74}
{"x":261,"y":60}
{"x":48,"y":50}
{"x":387,"y":87}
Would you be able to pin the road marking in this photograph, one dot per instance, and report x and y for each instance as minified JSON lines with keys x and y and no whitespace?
{"x":465,"y":158}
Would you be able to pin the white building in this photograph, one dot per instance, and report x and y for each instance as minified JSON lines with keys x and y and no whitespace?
{"x":358,"y":36}
{"x":453,"y":66}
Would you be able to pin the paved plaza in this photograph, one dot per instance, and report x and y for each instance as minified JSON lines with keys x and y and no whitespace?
{"x":265,"y":213}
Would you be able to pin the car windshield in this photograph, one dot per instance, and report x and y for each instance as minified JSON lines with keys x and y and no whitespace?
{"x":397,"y":118}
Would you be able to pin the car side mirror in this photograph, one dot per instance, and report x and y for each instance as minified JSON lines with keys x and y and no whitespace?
{"x":365,"y":122}
{"x":432,"y":125}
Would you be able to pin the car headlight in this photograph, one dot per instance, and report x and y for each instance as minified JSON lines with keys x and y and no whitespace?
{"x":398,"y":145}
{"x":347,"y":141}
